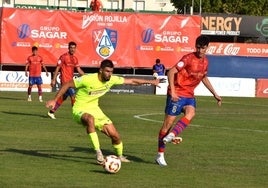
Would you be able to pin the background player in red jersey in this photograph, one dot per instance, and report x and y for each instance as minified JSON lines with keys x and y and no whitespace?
{"x":183,"y":78}
{"x":66,"y":66}
{"x":96,"y":5}
{"x":35,"y":63}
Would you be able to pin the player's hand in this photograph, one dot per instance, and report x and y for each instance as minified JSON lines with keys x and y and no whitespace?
{"x":219,"y":100}
{"x":26,"y":74}
{"x":47,"y":74}
{"x":174,"y":97}
{"x":158,"y":81}
{"x":53,"y":83}
{"x":50,"y":104}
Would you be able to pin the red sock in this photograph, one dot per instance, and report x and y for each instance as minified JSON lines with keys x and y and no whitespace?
{"x":180,"y":126}
{"x":57,"y":105}
{"x":161,"y":145}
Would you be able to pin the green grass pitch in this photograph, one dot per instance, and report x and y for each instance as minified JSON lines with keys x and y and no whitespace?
{"x":223,"y":147}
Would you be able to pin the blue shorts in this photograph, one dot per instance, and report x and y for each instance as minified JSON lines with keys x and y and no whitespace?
{"x":35,"y":80}
{"x":70,"y":92}
{"x":175,"y":108}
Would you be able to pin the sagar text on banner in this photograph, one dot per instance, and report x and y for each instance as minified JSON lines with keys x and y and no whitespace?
{"x":129,"y":39}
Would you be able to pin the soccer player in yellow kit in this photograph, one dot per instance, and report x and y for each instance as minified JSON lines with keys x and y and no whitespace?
{"x":86,"y":108}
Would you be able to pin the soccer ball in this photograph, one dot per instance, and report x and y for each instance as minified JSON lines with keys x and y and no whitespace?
{"x":112,"y":164}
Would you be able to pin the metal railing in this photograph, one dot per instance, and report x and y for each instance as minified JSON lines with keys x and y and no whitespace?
{"x":76,"y":6}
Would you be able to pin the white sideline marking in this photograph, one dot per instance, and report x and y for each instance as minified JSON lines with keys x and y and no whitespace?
{"x":141,"y":117}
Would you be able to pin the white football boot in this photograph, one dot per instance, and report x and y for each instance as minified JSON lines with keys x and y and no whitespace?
{"x":171,"y":138}
{"x":160,"y":160}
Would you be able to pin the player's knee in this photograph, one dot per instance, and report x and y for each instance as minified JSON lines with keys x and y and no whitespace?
{"x":190,"y":116}
{"x":190,"y":113}
{"x":88,"y":120}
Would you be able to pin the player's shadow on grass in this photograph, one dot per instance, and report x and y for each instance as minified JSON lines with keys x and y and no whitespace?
{"x":48,"y":154}
{"x":11,"y":98}
{"x":108,"y":152}
{"x":54,"y":154}
{"x":24,"y":114}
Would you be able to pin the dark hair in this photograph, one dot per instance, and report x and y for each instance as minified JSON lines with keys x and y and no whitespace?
{"x":157,"y":60}
{"x":202,"y":41}
{"x":107,"y":63}
{"x":34,"y":48}
{"x":71,"y":44}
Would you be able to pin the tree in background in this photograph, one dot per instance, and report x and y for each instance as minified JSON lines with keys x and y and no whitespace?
{"x":244,"y":7}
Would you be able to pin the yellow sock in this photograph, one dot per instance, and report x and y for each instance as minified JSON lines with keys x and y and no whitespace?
{"x":95,"y":140}
{"x":118,"y":149}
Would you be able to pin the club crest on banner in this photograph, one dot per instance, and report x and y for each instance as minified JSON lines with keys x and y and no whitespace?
{"x":104,"y":42}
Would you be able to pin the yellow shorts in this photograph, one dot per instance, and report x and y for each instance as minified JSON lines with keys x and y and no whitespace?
{"x":100,"y":118}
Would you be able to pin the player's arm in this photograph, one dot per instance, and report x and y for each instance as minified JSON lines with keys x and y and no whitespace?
{"x":45,"y":68}
{"x":134,"y":81}
{"x":209,"y":86}
{"x":154,"y":71}
{"x":80,"y":71}
{"x":171,"y":76}
{"x":53,"y":81}
{"x":63,"y":89}
{"x":26,"y":69}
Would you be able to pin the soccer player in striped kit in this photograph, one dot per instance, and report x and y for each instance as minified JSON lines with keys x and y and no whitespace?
{"x":183,"y":78}
{"x":66,"y":65}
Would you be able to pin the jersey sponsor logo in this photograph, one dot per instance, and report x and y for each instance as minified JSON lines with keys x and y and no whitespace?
{"x":180,"y":64}
{"x":93,"y":93}
{"x":59,"y":62}
{"x":104,"y":42}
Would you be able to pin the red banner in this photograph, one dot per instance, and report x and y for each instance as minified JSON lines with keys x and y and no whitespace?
{"x":164,"y":37}
{"x":238,"y":49}
{"x":129,"y":39}
{"x":262,"y":88}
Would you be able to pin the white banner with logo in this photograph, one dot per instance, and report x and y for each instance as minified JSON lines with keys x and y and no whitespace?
{"x":232,"y":87}
{"x":17,"y":81}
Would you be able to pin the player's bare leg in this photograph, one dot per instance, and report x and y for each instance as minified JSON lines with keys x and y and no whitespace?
{"x":29,"y":93}
{"x":110,"y":131}
{"x":88,"y":121}
{"x":40,"y":93}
